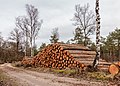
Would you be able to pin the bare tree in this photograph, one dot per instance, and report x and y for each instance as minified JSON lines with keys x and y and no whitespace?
{"x":85,"y":19}
{"x":16,"y":36}
{"x":30,"y":25}
{"x":21,"y":24}
{"x":33,"y":24}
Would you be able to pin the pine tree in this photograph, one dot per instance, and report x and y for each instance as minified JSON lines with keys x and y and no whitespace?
{"x":54,"y":36}
{"x":78,"y":36}
{"x":43,"y":45}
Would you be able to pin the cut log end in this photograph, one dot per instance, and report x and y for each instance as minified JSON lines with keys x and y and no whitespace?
{"x":113,"y":69}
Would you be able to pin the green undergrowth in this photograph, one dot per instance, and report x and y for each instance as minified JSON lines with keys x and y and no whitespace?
{"x":100,"y":75}
{"x":69,"y":72}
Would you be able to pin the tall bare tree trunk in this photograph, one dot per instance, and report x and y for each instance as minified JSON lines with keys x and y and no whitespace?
{"x":17,"y":50}
{"x":31,"y":47}
{"x":96,"y":60}
{"x":25,"y":46}
{"x":26,"y":42}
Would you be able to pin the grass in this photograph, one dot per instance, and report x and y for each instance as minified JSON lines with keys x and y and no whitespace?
{"x":5,"y":80}
{"x":99,"y":75}
{"x":68,"y":72}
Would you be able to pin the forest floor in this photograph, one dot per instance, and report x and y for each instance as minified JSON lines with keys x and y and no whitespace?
{"x":27,"y":77}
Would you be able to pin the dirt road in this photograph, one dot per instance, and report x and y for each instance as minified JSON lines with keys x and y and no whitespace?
{"x":32,"y":78}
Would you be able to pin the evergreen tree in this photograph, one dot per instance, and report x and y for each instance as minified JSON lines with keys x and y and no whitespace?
{"x":78,"y":36}
{"x":43,"y":45}
{"x":54,"y":36}
{"x":111,"y":46}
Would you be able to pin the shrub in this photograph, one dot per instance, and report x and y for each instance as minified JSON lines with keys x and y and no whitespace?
{"x":17,"y":64}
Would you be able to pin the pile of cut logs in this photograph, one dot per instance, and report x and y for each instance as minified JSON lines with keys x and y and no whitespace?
{"x":27,"y":61}
{"x":62,"y":56}
{"x":56,"y":56}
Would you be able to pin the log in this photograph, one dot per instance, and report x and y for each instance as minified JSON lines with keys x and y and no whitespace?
{"x":81,"y":52}
{"x":88,"y":59}
{"x":90,"y":62}
{"x":113,"y":69}
{"x":82,"y":56}
{"x":103,"y":66}
{"x":117,"y":63}
{"x":73,"y":47}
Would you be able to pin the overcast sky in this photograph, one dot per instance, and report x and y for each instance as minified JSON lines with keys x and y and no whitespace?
{"x":57,"y":13}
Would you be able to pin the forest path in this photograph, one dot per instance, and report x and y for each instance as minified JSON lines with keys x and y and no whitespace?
{"x":33,"y":78}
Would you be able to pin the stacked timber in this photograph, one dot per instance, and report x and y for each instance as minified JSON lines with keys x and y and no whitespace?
{"x":27,"y":61}
{"x":84,"y":55}
{"x":63,"y":56}
{"x":56,"y":56}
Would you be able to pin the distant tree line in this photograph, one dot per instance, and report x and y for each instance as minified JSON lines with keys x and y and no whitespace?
{"x":110,"y":46}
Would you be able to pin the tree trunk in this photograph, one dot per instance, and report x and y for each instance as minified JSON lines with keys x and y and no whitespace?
{"x":96,"y":60}
{"x":17,"y":49}
{"x":31,"y":47}
{"x":85,"y":41}
{"x":26,"y":40}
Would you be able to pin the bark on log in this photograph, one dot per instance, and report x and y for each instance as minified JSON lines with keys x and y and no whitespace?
{"x":82,"y":56}
{"x":73,"y":47}
{"x":81,"y":52}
